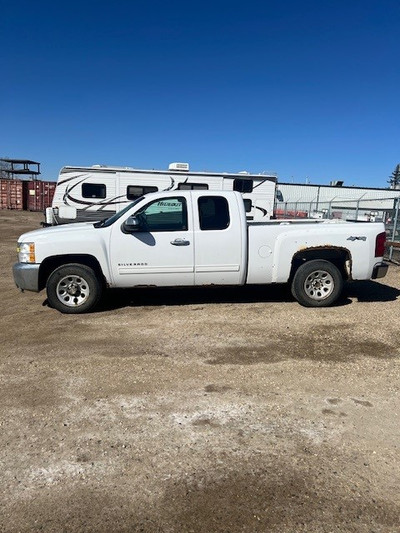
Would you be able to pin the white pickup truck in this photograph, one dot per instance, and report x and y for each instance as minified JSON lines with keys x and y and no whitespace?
{"x":196,"y":238}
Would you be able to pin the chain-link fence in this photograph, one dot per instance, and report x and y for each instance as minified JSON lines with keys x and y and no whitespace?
{"x":384,"y":210}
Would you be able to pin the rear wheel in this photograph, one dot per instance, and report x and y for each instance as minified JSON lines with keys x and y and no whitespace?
{"x":317,"y":284}
{"x":73,"y":288}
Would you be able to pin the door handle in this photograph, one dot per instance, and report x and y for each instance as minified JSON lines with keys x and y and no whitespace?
{"x":180,"y":242}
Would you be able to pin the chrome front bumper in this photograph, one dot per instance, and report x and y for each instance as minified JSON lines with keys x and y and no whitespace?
{"x":26,"y":276}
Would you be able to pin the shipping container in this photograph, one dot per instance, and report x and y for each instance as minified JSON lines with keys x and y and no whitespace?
{"x":39,"y":194}
{"x":26,"y":195}
{"x":11,"y":194}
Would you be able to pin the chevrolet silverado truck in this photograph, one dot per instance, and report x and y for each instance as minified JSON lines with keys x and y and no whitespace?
{"x":196,"y":238}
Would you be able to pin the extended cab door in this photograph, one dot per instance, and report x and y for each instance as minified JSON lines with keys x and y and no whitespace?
{"x":160,"y":252}
{"x":220,"y":232}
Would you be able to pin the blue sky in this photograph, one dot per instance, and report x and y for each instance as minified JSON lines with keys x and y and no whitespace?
{"x":307,"y":89}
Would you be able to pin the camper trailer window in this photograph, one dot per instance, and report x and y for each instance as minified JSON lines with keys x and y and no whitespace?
{"x":247,"y":205}
{"x":135,"y":191}
{"x":243,"y":185}
{"x":192,"y":186}
{"x":93,"y":190}
{"x":213,"y":213}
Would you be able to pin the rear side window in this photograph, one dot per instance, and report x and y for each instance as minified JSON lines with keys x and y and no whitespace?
{"x":192,"y":186}
{"x":213,"y":213}
{"x":93,"y":190}
{"x":243,"y":185}
{"x":136,"y":191}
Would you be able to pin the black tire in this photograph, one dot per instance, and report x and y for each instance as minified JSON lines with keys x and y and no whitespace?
{"x":317,"y":283}
{"x":73,"y":288}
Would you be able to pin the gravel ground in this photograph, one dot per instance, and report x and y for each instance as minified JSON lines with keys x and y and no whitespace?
{"x":225,"y":410}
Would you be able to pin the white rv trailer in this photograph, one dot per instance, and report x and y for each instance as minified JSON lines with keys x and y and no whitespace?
{"x":97,"y":192}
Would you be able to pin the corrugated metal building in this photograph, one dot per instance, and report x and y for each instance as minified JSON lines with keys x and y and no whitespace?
{"x":335,"y":201}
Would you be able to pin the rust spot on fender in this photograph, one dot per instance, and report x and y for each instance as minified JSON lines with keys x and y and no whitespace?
{"x":348,"y":263}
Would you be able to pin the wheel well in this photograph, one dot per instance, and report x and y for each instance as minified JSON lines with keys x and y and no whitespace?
{"x":340,"y":257}
{"x":51,"y":263}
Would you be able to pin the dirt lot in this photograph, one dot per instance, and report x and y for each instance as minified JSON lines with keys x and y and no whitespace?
{"x":199,"y":410}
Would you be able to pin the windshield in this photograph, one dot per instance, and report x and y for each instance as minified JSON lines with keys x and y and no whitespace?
{"x":108,"y":221}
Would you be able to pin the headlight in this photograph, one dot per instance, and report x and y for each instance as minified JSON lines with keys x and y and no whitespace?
{"x":26,"y":252}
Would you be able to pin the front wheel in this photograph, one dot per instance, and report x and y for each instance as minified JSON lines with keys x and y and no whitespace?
{"x":73,"y":288}
{"x":317,"y":283}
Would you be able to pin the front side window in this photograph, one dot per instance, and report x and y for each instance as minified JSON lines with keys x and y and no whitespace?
{"x":243,"y":185}
{"x":213,"y":212}
{"x":166,"y":214}
{"x":136,"y":191}
{"x":192,"y":186}
{"x":93,"y":190}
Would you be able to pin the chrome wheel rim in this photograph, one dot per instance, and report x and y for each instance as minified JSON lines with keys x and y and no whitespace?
{"x":72,"y":290}
{"x":319,"y":285}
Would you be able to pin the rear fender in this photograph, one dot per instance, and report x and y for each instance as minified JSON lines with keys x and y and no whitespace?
{"x":340,"y":257}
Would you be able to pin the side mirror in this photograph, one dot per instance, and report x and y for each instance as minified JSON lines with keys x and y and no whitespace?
{"x":131,"y":224}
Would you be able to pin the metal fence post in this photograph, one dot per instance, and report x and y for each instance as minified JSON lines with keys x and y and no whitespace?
{"x":358,"y":204}
{"x":396,"y":217}
{"x":330,"y":207}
